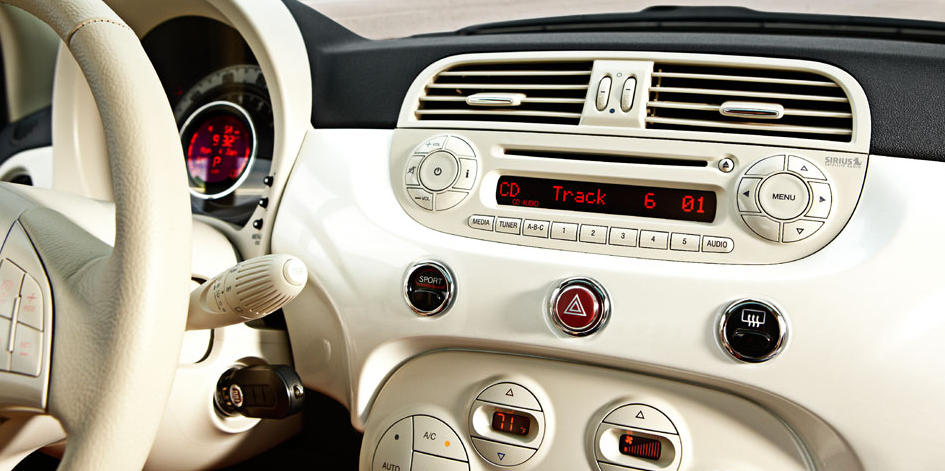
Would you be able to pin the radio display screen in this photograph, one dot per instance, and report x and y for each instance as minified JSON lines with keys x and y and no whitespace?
{"x":607,"y":198}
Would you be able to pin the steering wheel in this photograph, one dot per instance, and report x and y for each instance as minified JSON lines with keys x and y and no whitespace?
{"x":113,"y":337}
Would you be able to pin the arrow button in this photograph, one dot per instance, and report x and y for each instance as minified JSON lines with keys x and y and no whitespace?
{"x":746,"y":195}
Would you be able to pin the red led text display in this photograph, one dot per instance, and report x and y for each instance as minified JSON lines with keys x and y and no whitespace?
{"x":640,"y":447}
{"x":510,"y":423}
{"x":219,"y":150}
{"x":608,"y":198}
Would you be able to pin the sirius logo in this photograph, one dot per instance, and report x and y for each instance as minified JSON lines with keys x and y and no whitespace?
{"x":844,"y":162}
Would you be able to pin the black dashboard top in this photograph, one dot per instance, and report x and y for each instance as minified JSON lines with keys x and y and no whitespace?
{"x":362,"y":83}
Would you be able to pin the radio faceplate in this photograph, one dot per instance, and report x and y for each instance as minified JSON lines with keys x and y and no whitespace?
{"x":450,"y":181}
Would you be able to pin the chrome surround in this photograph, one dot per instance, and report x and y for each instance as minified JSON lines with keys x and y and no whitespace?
{"x":590,"y":284}
{"x":450,"y":287}
{"x":495,"y":99}
{"x":748,"y":109}
{"x":723,"y":322}
{"x":252,"y":155}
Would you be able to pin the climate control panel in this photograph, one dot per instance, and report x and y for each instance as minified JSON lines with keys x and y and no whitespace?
{"x":645,"y":198}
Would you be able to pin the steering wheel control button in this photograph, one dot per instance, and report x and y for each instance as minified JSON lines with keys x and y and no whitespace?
{"x":579,"y":306}
{"x":258,"y":224}
{"x":752,"y":331}
{"x":412,"y":174}
{"x":564,"y":231}
{"x":535,"y":228}
{"x":783,"y":196}
{"x":429,"y":288}
{"x":643,"y":417}
{"x":27,"y":351}
{"x":395,"y":449}
{"x":508,"y":225}
{"x":467,"y":174}
{"x":438,"y":171}
{"x":746,"y":195}
{"x":434,"y":437}
{"x":267,"y":180}
{"x":511,"y":395}
{"x":764,"y":227}
{"x":5,"y":346}
{"x":712,"y":244}
{"x":483,"y":223}
{"x":424,"y":462}
{"x":11,"y":277}
{"x":502,"y":454}
{"x":654,"y":240}
{"x":767,"y":166}
{"x":31,"y":304}
{"x":804,"y":168}
{"x":423,"y":198}
{"x":444,"y":201}
{"x":800,"y":230}
{"x":821,"y":200}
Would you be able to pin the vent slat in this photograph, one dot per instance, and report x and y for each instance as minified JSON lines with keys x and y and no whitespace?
{"x":517,"y":73}
{"x":689,"y":97}
{"x":501,"y":112}
{"x":745,"y":78}
{"x":506,"y":86}
{"x":548,"y":92}
{"x":772,"y":127}
{"x":573,"y":101}
{"x":747,"y":94}
{"x":787,"y":111}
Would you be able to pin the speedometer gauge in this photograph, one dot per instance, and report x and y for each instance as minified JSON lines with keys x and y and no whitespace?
{"x":219,"y":144}
{"x":226,"y":129}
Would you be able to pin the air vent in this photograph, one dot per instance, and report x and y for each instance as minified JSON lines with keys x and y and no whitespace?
{"x":756,"y":101}
{"x":549,"y":92}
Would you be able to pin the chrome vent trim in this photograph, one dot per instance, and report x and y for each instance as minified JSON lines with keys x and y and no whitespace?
{"x":689,"y":97}
{"x":548,"y":92}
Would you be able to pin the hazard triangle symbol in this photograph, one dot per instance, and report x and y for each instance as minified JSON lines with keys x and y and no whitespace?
{"x":575,"y":308}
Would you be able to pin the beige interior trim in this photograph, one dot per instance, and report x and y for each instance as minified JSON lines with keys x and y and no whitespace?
{"x":29,"y":57}
{"x":119,"y":314}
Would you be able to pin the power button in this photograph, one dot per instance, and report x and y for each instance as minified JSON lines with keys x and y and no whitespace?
{"x":429,"y":288}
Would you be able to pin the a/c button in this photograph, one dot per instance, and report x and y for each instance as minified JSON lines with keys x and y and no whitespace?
{"x":433,"y":436}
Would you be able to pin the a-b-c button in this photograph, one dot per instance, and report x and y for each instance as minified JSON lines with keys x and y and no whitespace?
{"x":579,"y":306}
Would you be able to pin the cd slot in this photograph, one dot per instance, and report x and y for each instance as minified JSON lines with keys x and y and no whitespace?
{"x":600,"y":157}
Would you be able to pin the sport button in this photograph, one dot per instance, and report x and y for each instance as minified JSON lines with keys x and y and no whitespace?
{"x":783,"y":196}
{"x":579,"y":306}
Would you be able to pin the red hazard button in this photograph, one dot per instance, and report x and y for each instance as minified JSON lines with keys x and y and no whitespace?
{"x":579,"y":306}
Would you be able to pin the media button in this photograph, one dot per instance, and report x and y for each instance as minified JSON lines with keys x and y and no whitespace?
{"x":478,"y":221}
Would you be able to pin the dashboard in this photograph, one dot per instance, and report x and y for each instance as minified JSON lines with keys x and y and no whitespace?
{"x":587,"y":249}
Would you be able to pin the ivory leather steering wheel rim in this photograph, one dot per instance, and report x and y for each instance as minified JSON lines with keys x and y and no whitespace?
{"x":118,"y":313}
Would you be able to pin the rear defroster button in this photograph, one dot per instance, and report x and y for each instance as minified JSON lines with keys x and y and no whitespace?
{"x":579,"y":306}
{"x":429,"y":288}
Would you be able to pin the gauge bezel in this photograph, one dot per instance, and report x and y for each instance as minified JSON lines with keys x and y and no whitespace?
{"x":241,"y":114}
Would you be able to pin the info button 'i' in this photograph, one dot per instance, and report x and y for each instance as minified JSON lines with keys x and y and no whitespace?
{"x":579,"y":306}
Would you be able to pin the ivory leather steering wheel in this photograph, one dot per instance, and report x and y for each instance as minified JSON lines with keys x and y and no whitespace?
{"x":112,"y":337}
